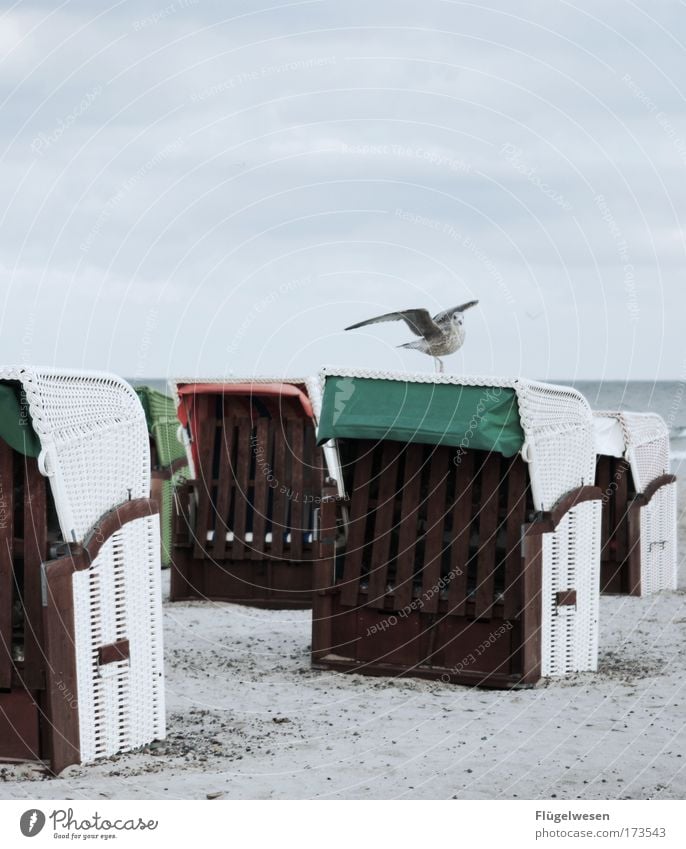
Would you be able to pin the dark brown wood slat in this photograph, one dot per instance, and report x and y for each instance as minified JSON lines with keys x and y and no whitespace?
{"x":279,"y":472}
{"x":35,"y":553}
{"x":603,"y":474}
{"x":296,"y":486}
{"x":517,"y":479}
{"x":408,"y":535}
{"x":242,"y":474}
{"x":6,"y":562}
{"x":622,"y":512}
{"x":488,"y":529}
{"x":225,"y":489}
{"x":436,"y":510}
{"x":383,"y":524}
{"x":206,"y":431}
{"x":262,"y":450}
{"x":359,"y":505}
{"x":532,"y":609}
{"x":462,"y":524}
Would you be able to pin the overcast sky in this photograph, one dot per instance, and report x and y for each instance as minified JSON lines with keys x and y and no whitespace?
{"x":195,"y":187}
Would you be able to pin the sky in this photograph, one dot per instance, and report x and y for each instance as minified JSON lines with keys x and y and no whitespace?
{"x":196,"y":188}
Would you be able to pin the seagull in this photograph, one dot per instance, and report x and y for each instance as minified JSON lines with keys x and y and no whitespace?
{"x":443,"y":334}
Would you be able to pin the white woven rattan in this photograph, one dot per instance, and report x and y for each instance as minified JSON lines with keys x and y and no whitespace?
{"x":646,"y":449}
{"x":559,"y":449}
{"x":571,"y":561}
{"x":94,"y":439}
{"x":95,"y":453}
{"x":121,"y":705}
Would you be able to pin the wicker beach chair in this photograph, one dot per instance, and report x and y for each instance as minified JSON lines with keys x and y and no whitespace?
{"x":244,"y":527}
{"x":472,"y":549}
{"x":639,"y":550}
{"x":168,"y":463}
{"x":81,"y":674}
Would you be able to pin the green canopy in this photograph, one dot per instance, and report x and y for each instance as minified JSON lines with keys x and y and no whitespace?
{"x":16,"y":427}
{"x":480,"y":417}
{"x":163,"y":424}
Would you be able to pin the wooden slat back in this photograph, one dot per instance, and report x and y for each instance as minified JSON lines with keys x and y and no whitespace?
{"x":434,"y":525}
{"x":260,"y":475}
{"x":381,"y":520}
{"x":35,"y":553}
{"x":437,"y":509}
{"x":407,"y":535}
{"x":6,"y":562}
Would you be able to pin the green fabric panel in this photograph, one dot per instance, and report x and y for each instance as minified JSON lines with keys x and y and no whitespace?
{"x":160,"y":414}
{"x":484,"y":418}
{"x":16,"y":427}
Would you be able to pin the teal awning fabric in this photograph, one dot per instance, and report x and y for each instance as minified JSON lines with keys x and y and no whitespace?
{"x":16,"y":427}
{"x":160,"y":414}
{"x":483,"y":418}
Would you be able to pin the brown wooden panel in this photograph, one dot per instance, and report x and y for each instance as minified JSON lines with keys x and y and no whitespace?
{"x":383,"y":523}
{"x":621,"y":500}
{"x":408,"y":532}
{"x":532,"y":608}
{"x":114,"y":652}
{"x":244,"y":432}
{"x":19,"y":735}
{"x":355,"y":548}
{"x":488,"y":529}
{"x":516,"y":516}
{"x":279,"y":473}
{"x":435,"y":517}
{"x":62,"y":688}
{"x":225,"y":489}
{"x":296,"y":485}
{"x":603,"y":476}
{"x":6,"y":562}
{"x":262,"y":449}
{"x":462,"y":525}
{"x":35,"y":553}
{"x":207,"y":429}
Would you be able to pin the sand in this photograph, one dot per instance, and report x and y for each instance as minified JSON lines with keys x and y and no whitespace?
{"x":249,"y":719}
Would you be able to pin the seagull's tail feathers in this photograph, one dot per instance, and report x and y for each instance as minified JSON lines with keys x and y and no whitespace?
{"x":419,"y":345}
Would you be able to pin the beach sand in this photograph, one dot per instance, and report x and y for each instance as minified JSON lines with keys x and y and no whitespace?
{"x":249,"y":719}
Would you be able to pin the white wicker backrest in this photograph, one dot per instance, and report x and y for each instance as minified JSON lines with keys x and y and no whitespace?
{"x":646,"y":442}
{"x":556,"y":420}
{"x":94,"y":439}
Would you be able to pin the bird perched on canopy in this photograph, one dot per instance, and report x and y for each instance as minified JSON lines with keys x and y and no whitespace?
{"x":441,"y":335}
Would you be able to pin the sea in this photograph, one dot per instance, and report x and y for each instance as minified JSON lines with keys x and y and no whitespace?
{"x":665,"y":397}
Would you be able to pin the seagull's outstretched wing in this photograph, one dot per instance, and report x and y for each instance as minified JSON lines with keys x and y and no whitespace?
{"x":419,"y":321}
{"x":443,"y":315}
